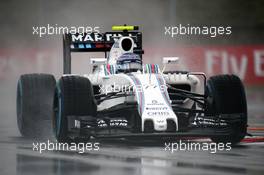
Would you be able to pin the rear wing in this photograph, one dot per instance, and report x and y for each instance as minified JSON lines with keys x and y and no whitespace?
{"x":95,"y":42}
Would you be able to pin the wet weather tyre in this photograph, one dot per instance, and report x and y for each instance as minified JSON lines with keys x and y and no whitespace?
{"x":227,"y":96}
{"x":73,"y":97}
{"x":34,"y":104}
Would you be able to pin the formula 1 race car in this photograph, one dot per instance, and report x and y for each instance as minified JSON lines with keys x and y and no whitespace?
{"x":123,"y":98}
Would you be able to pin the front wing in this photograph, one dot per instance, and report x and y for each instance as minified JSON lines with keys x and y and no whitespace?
{"x":107,"y":126}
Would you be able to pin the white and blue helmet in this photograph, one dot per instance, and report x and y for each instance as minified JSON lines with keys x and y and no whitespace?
{"x":129,"y":62}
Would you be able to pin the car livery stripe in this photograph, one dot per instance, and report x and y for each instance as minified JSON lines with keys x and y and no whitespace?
{"x":152,"y":68}
{"x":140,"y":95}
{"x":108,"y":68}
{"x":149,"y":69}
{"x":105,"y":71}
{"x":161,"y":82}
{"x":157,"y":68}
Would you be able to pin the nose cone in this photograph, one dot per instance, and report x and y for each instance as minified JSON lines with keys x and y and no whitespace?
{"x":160,"y":124}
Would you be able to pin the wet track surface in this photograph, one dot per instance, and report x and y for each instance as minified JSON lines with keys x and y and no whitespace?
{"x":17,"y":157}
{"x":121,"y":157}
{"x":128,"y":157}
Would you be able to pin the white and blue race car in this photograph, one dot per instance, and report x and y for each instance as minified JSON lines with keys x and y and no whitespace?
{"x":123,"y":98}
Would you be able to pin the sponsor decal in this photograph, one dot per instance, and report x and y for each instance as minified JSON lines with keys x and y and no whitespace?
{"x":155,"y":102}
{"x":112,"y":122}
{"x":158,"y":113}
{"x":157,"y":108}
{"x":118,"y":122}
{"x":97,"y":37}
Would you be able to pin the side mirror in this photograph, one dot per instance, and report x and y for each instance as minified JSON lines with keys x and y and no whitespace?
{"x":98,"y":61}
{"x":170,"y":60}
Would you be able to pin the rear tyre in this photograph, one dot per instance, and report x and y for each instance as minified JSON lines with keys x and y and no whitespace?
{"x":73,"y":97}
{"x":226,"y":95}
{"x":34,"y":104}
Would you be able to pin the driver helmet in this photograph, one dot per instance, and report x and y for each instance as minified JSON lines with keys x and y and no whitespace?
{"x":129,"y":62}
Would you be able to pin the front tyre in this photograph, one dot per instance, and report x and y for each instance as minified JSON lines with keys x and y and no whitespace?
{"x":73,"y":97}
{"x":226,"y":95}
{"x":34,"y":103}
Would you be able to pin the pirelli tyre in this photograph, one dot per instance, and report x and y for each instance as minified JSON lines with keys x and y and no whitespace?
{"x":73,"y":97}
{"x":226,"y":95}
{"x":34,"y":103}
